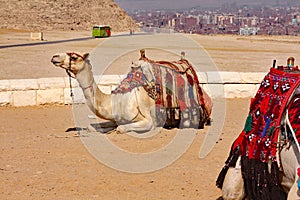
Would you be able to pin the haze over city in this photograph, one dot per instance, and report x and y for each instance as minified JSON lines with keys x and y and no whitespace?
{"x":130,"y":5}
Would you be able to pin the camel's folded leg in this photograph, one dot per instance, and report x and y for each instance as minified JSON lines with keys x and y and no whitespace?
{"x":145,"y":111}
{"x":139,"y":126}
{"x":233,"y":186}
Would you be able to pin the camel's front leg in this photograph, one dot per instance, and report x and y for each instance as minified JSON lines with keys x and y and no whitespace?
{"x":142,"y":125}
{"x":233,"y":186}
{"x":294,"y":192}
{"x":290,"y":162}
{"x":134,"y":111}
{"x":143,"y":122}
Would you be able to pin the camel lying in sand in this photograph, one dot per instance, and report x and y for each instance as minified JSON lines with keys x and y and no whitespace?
{"x":134,"y":110}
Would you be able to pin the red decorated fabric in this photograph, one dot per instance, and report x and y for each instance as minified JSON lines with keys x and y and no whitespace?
{"x":259,"y":138}
{"x":134,"y":78}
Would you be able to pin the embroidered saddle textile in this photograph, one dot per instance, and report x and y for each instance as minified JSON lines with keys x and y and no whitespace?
{"x":257,"y":144}
{"x":176,"y":90}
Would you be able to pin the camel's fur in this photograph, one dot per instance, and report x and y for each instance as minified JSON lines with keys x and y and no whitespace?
{"x":132,"y":111}
{"x":233,"y":186}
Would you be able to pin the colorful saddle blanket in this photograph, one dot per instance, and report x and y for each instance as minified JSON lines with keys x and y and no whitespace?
{"x":257,"y":144}
{"x":259,"y":138}
{"x":176,"y":85}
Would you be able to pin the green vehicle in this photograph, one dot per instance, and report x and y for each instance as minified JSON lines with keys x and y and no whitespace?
{"x":101,"y":31}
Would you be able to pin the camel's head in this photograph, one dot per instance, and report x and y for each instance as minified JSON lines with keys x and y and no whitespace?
{"x":146,"y":67}
{"x":74,"y":62}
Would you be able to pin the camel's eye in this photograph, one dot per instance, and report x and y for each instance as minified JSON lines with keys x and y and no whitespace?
{"x":74,"y":58}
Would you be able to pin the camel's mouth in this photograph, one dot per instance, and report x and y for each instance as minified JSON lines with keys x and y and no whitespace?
{"x":56,"y":62}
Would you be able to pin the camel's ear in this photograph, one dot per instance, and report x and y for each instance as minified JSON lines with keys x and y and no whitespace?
{"x":85,"y":55}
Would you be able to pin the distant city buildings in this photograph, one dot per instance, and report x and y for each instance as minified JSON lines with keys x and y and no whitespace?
{"x":229,"y":19}
{"x":249,"y":31}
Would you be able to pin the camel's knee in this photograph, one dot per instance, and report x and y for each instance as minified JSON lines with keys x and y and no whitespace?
{"x":139,"y":126}
{"x":233,"y":186}
{"x":148,"y":124}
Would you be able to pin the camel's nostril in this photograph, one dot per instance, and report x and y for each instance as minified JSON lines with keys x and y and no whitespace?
{"x":55,"y":59}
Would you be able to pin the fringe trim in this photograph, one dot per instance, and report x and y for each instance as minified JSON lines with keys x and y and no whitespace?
{"x":260,"y":184}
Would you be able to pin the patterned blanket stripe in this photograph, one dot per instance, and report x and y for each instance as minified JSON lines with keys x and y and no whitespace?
{"x":180,"y":85}
{"x":169,"y":89}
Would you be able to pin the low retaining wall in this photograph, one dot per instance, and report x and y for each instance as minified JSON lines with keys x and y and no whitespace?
{"x":56,"y":90}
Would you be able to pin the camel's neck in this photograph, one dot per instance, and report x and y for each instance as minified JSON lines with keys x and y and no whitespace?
{"x":95,"y":98}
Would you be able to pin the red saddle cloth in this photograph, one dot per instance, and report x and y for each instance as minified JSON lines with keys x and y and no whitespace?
{"x":257,"y":144}
{"x":259,"y":138}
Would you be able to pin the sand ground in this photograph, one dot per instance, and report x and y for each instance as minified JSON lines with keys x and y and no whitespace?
{"x":39,"y":160}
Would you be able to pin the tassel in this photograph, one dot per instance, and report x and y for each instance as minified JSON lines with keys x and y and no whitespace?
{"x":246,"y":173}
{"x":277,"y":192}
{"x":248,"y":124}
{"x":264,"y":190}
{"x":253,"y":185}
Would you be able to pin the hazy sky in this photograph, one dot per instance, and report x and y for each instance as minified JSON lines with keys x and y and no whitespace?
{"x":130,"y":5}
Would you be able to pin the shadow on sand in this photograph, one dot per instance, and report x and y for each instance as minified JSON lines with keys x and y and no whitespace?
{"x":44,"y":43}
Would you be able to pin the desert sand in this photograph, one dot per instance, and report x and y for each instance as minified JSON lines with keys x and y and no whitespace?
{"x":39,"y":160}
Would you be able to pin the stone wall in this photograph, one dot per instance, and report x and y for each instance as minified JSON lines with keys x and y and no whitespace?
{"x":56,"y":90}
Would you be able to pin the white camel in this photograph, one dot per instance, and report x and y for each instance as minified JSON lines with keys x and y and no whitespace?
{"x":131,"y":111}
{"x":233,"y":186}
